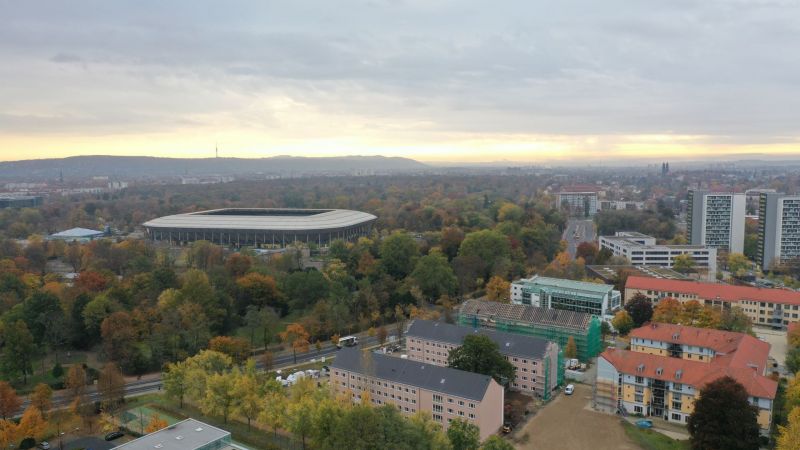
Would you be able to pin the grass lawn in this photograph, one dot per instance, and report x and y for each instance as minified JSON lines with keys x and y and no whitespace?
{"x":653,"y":440}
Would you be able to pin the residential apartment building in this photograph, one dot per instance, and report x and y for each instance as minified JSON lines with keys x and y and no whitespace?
{"x":778,"y":229}
{"x":716,"y":220}
{"x":412,"y":386}
{"x":569,"y":295}
{"x":549,"y":324}
{"x":536,"y":360}
{"x":769,"y":307}
{"x":667,"y":366}
{"x":616,"y":205}
{"x":642,"y":250}
{"x":578,"y":201}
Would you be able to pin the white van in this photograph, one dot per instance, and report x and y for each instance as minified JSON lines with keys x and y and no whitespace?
{"x":347,"y":341}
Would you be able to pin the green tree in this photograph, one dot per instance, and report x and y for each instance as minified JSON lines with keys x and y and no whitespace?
{"x":622,"y":322}
{"x":793,"y":359}
{"x":480,"y":354}
{"x":248,"y":396}
{"x":262,"y":321}
{"x":489,"y":246}
{"x":495,"y":442}
{"x":640,"y":309}
{"x":464,"y":435}
{"x":18,"y":350}
{"x":398,"y":254}
{"x":175,"y":380}
{"x":738,"y":264}
{"x":735,"y":319}
{"x":683,"y":263}
{"x":300,"y":417}
{"x":305,"y":288}
{"x":724,"y":418}
{"x":434,"y":276}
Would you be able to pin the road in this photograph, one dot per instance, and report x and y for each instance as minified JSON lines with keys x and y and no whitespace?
{"x":152,"y":382}
{"x":585,"y":233}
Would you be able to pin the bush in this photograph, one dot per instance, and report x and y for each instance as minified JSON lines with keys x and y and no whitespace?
{"x":57,"y":371}
{"x":27,"y":443}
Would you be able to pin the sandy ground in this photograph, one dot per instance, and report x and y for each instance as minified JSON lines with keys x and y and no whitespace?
{"x":569,"y":423}
{"x":777,"y":341}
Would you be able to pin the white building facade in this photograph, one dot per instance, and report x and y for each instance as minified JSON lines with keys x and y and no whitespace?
{"x":778,"y":229}
{"x":642,"y":250}
{"x":716,"y":220}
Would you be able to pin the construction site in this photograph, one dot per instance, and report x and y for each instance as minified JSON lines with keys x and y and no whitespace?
{"x":550,"y":324}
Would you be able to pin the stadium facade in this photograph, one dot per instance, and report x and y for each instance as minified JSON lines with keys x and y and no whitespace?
{"x":261,"y":227}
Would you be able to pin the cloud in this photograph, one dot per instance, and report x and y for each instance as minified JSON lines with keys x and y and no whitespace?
{"x":723,"y":70}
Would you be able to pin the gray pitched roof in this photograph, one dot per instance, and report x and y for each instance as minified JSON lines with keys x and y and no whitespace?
{"x":509,"y":344}
{"x":525,"y":314}
{"x":422,"y":375}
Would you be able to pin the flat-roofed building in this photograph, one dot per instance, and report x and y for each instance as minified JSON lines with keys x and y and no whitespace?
{"x":549,"y":324}
{"x":77,"y":235}
{"x":536,"y":360}
{"x":189,"y":434}
{"x":716,"y":220}
{"x":578,"y":201}
{"x":642,"y":250}
{"x":609,"y":274}
{"x":411,"y":386}
{"x":764,"y":306}
{"x":569,"y":295}
{"x":667,"y":366}
{"x":778,"y":230}
{"x":20,"y":201}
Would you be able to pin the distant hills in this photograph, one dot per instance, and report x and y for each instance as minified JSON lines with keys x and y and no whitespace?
{"x":133,"y":167}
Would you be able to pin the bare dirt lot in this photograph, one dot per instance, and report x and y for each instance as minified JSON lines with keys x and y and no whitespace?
{"x":569,"y":422}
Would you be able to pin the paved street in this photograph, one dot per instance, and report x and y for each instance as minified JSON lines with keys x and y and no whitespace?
{"x":585,"y":233}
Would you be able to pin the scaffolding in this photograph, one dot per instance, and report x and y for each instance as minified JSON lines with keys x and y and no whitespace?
{"x":587,"y":339}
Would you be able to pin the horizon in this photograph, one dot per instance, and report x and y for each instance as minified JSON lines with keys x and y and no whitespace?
{"x":432,"y":81}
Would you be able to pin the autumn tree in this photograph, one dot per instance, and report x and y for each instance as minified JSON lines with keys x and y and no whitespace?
{"x":176,"y":381}
{"x":238,"y":264}
{"x":571,"y":349}
{"x":42,"y":398}
{"x":491,"y":248}
{"x":789,"y":435}
{"x":587,"y":251}
{"x":220,"y":394}
{"x":156,"y":423}
{"x":622,"y":322}
{"x":296,"y":336}
{"x":382,"y":334}
{"x":668,"y":310}
{"x":640,"y":309}
{"x":236,"y":348}
{"x":738,"y":264}
{"x":724,"y":418}
{"x":119,"y":337}
{"x":9,"y":400}
{"x":498,"y":290}
{"x":248,"y":395}
{"x":111,"y":387}
{"x":258,"y":290}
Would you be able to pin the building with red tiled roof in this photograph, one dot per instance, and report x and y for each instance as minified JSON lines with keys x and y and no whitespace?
{"x":667,"y":366}
{"x":773,"y":307}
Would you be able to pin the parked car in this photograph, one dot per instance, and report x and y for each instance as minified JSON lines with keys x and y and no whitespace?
{"x":644,"y":423}
{"x":507,"y":427}
{"x":44,"y":445}
{"x":325,"y":371}
{"x":312,"y":373}
{"x":114,"y":435}
{"x":569,"y":389}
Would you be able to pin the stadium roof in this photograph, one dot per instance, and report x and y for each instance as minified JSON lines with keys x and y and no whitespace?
{"x":508,"y":343}
{"x":281,"y":219}
{"x":77,"y":233}
{"x":422,"y":375}
{"x":189,"y":434}
{"x":715,"y":291}
{"x":525,"y":314}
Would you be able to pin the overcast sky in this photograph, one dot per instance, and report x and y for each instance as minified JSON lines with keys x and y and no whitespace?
{"x":433,"y":80}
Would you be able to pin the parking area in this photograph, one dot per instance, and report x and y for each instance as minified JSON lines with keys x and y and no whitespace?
{"x":569,"y":422}
{"x":777,"y":342}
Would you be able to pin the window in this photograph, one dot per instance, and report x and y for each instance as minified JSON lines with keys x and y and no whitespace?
{"x":472,"y":405}
{"x":437,"y":398}
{"x":437,"y":408}
{"x":449,"y":410}
{"x":676,"y":404}
{"x":676,"y":417}
{"x":638,"y":409}
{"x":437,"y":417}
{"x":638,"y":398}
{"x":471,"y":415}
{"x":461,"y":403}
{"x":639,"y":380}
{"x":677,"y":387}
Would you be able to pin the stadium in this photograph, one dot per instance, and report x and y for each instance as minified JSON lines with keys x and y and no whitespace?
{"x":261,"y":227}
